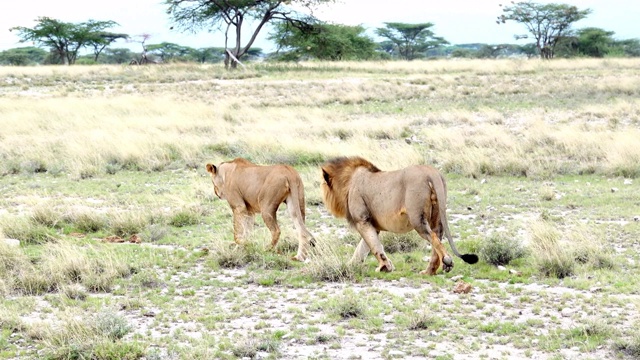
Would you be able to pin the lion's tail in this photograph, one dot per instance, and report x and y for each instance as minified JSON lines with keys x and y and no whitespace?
{"x":442,"y":209}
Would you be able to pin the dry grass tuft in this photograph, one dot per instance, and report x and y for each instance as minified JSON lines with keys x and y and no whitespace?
{"x":551,"y":257}
{"x":328,"y":263}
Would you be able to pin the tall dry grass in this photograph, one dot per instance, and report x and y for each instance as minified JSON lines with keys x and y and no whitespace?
{"x":505,"y":117}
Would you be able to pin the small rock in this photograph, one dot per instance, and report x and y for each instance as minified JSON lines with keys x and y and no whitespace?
{"x":483,"y":181}
{"x":456,"y":278}
{"x":595,"y":289}
{"x":614,"y":190}
{"x":12,"y":242}
{"x":628,"y":181}
{"x":502,"y":268}
{"x":566,"y":312}
{"x":636,"y":218}
{"x":514,"y":272}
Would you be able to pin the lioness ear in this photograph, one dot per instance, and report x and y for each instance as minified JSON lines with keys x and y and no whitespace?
{"x":326,"y":177}
{"x":211,"y":169}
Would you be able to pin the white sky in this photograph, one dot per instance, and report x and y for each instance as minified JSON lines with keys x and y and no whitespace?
{"x":458,"y":21}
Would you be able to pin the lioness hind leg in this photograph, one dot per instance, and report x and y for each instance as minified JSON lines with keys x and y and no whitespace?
{"x":269,"y":217}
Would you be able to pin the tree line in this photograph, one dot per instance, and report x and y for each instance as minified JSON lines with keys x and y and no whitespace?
{"x":299,"y":36}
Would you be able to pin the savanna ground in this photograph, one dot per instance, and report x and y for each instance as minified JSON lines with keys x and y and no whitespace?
{"x":125,"y":253}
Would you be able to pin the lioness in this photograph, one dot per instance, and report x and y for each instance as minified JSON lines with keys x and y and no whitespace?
{"x":250,"y":189}
{"x":413,"y":198}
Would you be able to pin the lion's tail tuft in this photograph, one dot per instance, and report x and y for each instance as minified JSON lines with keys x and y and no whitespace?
{"x":469,"y":258}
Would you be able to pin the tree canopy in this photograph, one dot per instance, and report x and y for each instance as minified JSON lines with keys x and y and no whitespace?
{"x":547,"y":23}
{"x":323,"y":42}
{"x":234,"y":15}
{"x":410,"y":41}
{"x":66,"y":39}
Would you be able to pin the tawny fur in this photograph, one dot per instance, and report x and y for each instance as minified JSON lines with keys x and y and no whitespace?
{"x":252,"y":189}
{"x":413,"y":198}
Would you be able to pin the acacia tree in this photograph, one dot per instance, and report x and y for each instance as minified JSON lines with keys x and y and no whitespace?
{"x":233,"y":15}
{"x":410,"y":40}
{"x":548,"y":23}
{"x":324,"y":42}
{"x":66,"y":39}
{"x":101,"y":39}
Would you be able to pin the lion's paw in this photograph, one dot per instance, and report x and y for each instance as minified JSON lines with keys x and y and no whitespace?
{"x":387,"y":267}
{"x":447,"y":263}
{"x":427,"y":272}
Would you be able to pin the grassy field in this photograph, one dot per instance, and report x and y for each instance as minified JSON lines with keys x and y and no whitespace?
{"x":126,"y":253}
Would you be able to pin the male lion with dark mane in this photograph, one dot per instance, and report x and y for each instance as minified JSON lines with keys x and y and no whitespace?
{"x":413,"y":198}
{"x":250,"y":189}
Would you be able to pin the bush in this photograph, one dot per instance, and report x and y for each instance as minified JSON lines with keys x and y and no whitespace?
{"x":499,"y":250}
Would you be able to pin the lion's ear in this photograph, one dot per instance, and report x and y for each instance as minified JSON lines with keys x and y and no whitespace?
{"x":327,"y":177}
{"x":211,"y":169}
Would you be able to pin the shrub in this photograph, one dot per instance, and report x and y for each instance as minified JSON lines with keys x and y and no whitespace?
{"x":500,"y":250}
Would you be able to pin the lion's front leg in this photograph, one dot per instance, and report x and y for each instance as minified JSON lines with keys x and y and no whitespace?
{"x":242,"y":225}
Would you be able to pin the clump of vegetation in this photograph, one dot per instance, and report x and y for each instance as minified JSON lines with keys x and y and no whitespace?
{"x":395,"y":243}
{"x":127,"y":224}
{"x":501,"y":250}
{"x":93,"y":337}
{"x":630,"y":346}
{"x":348,"y":305}
{"x":588,"y":250}
{"x":27,"y":231}
{"x":551,"y":258}
{"x":328,"y":263}
{"x":86,"y":221}
{"x":425,"y":321}
{"x":186,"y":217}
{"x":230,"y":255}
{"x":59,"y":265}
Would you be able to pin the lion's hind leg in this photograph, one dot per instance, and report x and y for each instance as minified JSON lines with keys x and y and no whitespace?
{"x":439,"y":256}
{"x":370,"y":237}
{"x":269,"y":217}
